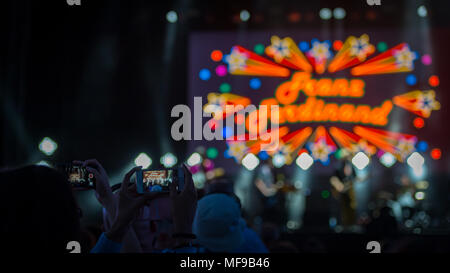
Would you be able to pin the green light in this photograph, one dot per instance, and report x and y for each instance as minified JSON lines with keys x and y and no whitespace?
{"x":225,"y":87}
{"x":382,"y":46}
{"x":338,"y":154}
{"x":212,"y":152}
{"x":325,"y":194}
{"x":259,"y":49}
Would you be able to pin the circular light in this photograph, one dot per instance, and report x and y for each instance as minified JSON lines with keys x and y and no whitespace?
{"x":422,"y":146}
{"x":422,"y":11}
{"x":418,"y":123}
{"x":204,"y":74}
{"x":304,"y":46}
{"x":387,"y":159}
{"x":212,"y":152}
{"x":339,"y":13}
{"x":436,"y":154}
{"x":171,"y":16}
{"x":420,"y":195}
{"x":168,"y":160}
{"x":337,"y":45}
{"x":244,"y":15}
{"x":382,"y":46}
{"x":433,"y":80}
{"x":411,"y":79}
{"x":259,"y":49}
{"x":225,"y":87}
{"x":255,"y":83}
{"x":263,"y":155}
{"x":294,"y":17}
{"x":278,"y":160}
{"x":325,"y":14}
{"x":426,"y":59}
{"x":371,"y":15}
{"x":208,"y":164}
{"x":216,"y":55}
{"x":221,"y":70}
{"x":325,"y":194}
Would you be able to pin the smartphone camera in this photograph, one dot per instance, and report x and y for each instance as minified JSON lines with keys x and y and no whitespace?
{"x":148,"y":181}
{"x":78,"y":177}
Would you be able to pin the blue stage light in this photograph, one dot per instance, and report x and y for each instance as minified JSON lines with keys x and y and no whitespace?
{"x":411,"y":79}
{"x":422,"y":146}
{"x":304,"y":46}
{"x":204,"y":74}
{"x":263,"y":155}
{"x":255,"y":83}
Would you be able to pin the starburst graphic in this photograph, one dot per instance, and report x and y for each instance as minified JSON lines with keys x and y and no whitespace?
{"x":236,"y":60}
{"x":360,"y":47}
{"x":404,"y":58}
{"x":279,"y":49}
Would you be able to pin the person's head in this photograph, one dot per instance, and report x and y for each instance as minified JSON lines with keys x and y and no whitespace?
{"x":38,"y":210}
{"x":218,"y":224}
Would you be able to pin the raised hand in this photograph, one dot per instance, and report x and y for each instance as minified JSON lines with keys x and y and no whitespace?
{"x":184,"y":204}
{"x":128,"y":201}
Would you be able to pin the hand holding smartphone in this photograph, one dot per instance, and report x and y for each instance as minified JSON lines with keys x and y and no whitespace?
{"x":77,"y":176}
{"x":151,"y":180}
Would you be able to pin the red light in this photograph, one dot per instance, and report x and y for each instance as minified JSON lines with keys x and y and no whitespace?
{"x":337,"y":45}
{"x":433,"y":81}
{"x":436,"y":154}
{"x":302,"y":151}
{"x":371,"y":15}
{"x":294,"y":17}
{"x":418,"y":123}
{"x":216,"y":55}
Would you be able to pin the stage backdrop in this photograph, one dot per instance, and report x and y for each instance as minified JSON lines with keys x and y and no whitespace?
{"x":375,"y":91}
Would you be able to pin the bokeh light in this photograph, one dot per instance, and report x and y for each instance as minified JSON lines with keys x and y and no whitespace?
{"x":259,"y":49}
{"x":304,"y":46}
{"x":255,"y":83}
{"x":337,"y":45}
{"x":436,"y":153}
{"x":411,"y":79}
{"x":433,"y":80}
{"x":382,"y":47}
{"x":221,"y":70}
{"x":418,"y":123}
{"x":426,"y":59}
{"x":216,"y":55}
{"x":204,"y":74}
{"x":212,"y":152}
{"x":225,"y":87}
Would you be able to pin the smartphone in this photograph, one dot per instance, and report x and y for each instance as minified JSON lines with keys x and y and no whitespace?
{"x":148,"y":180}
{"x":78,"y":176}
